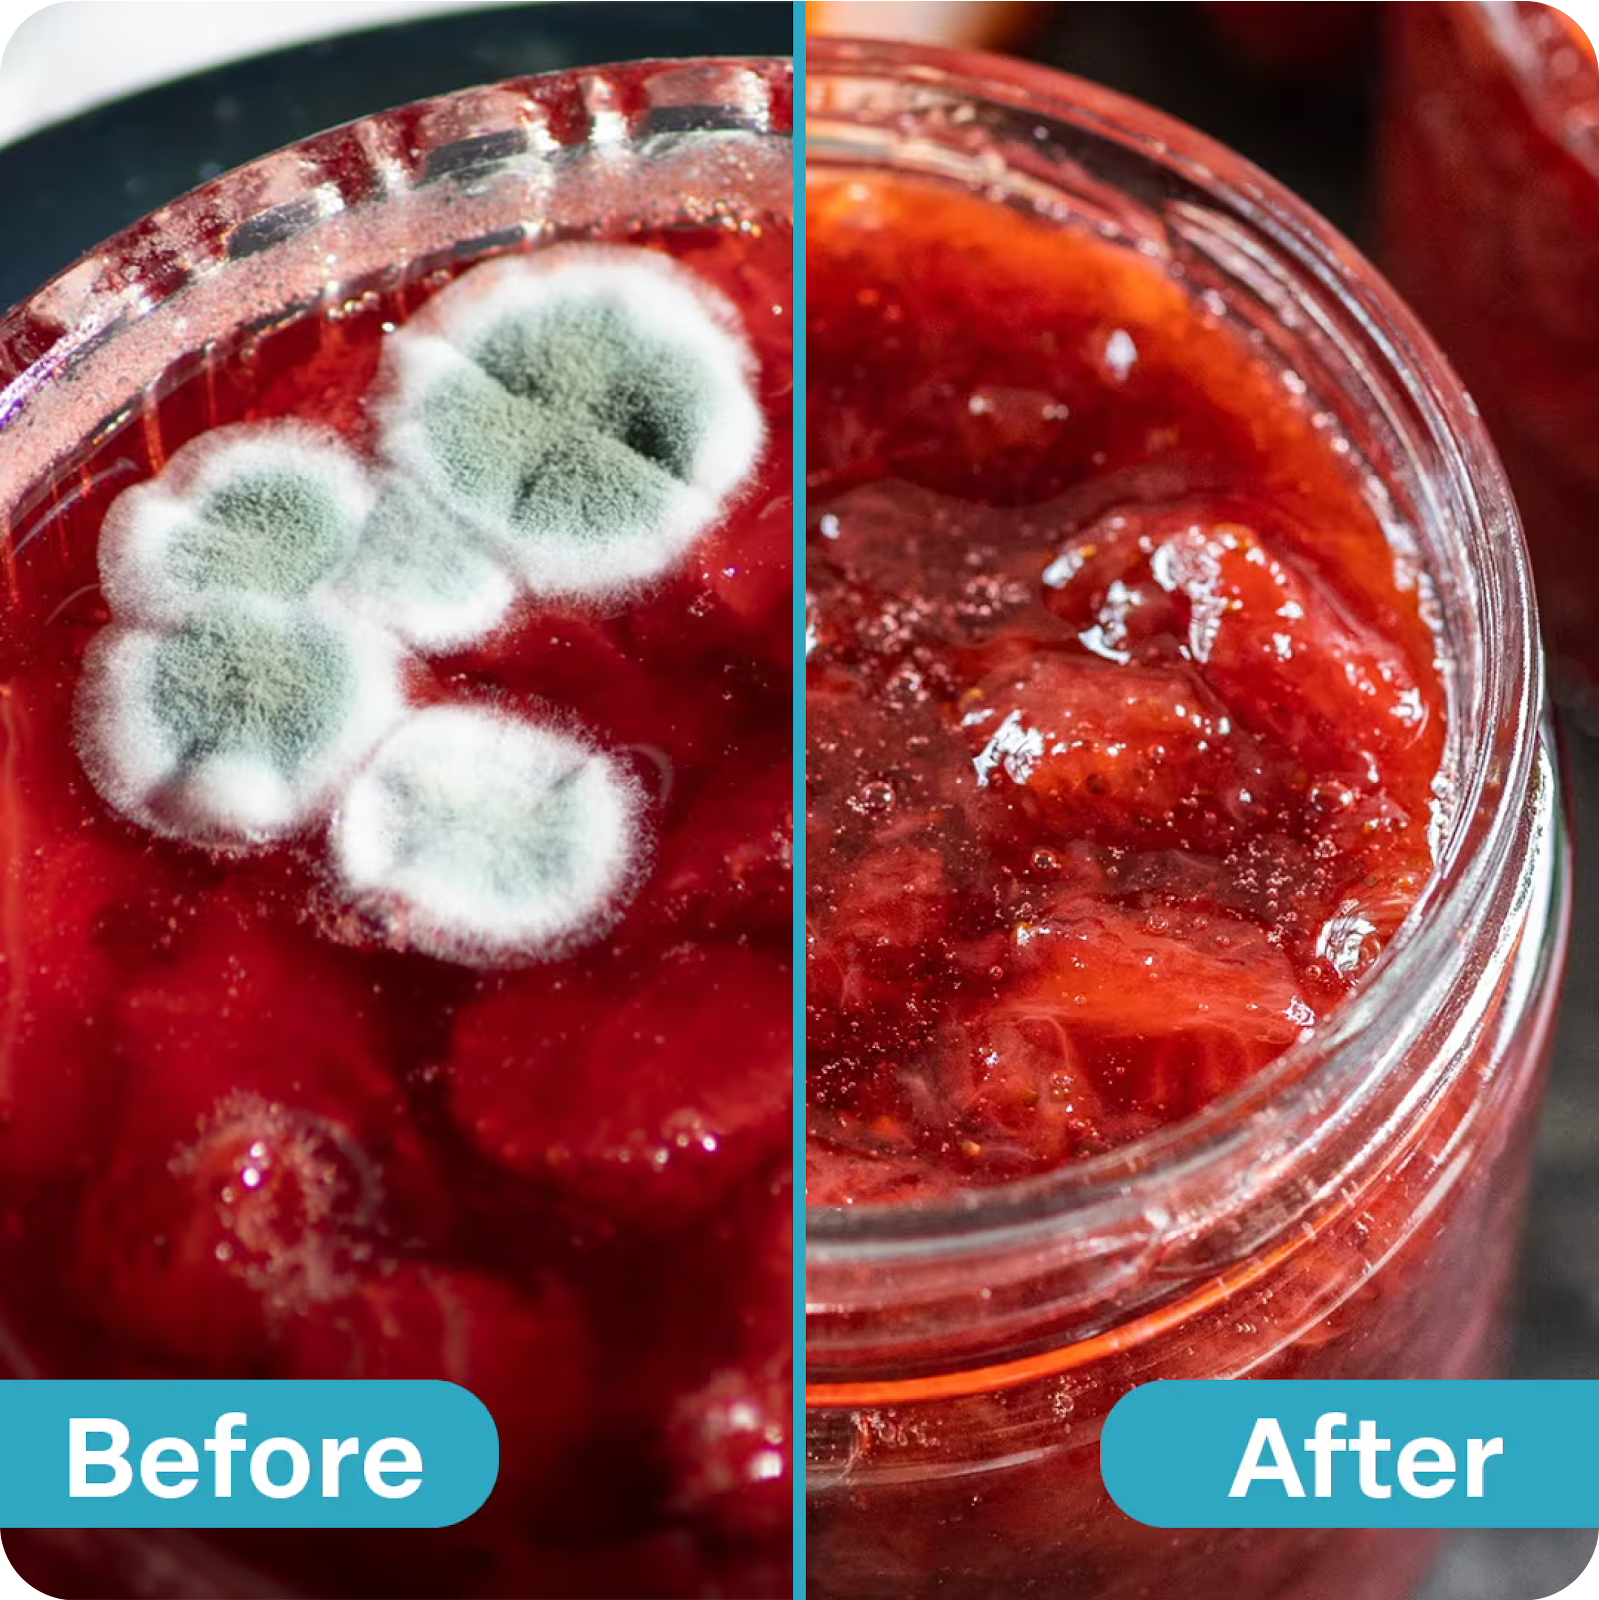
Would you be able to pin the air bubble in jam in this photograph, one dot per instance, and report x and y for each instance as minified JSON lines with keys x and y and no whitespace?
{"x":1154,"y":696}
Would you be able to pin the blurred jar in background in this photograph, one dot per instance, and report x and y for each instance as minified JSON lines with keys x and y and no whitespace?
{"x":1489,"y":223}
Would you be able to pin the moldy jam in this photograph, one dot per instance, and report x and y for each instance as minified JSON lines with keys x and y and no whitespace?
{"x":1186,"y":884}
{"x":249,"y":1129}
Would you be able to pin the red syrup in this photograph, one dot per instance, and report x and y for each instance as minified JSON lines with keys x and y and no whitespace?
{"x":1125,"y":717}
{"x":238,"y":1137}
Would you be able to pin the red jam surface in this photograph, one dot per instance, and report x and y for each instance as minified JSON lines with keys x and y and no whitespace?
{"x":237,"y":1138}
{"x":1124,"y":716}
{"x":1490,"y":226}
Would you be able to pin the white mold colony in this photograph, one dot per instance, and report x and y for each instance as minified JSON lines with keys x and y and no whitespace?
{"x":589,"y":408}
{"x":239,"y":725}
{"x":269,"y":511}
{"x":568,"y":422}
{"x":488,"y":840}
{"x":234,"y":693}
{"x":418,"y":572}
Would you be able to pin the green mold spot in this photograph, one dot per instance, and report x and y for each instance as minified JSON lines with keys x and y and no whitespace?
{"x":274,"y":535}
{"x":237,"y":683}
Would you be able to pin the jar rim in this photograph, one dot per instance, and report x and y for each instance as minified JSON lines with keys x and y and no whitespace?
{"x":1494,"y":773}
{"x":239,"y":222}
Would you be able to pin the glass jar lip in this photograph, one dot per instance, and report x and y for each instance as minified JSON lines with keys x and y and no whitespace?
{"x":1492,"y":782}
{"x":240,"y":215}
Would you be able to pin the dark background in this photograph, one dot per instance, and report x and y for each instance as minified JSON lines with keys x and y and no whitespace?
{"x":66,"y":188}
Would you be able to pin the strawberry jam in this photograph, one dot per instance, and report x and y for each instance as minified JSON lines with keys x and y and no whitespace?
{"x":1125,"y":721}
{"x":251,"y":1127}
{"x":1181,"y":966}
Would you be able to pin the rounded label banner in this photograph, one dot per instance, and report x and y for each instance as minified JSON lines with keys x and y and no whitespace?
{"x":1247,"y":1453}
{"x":267,"y":1453}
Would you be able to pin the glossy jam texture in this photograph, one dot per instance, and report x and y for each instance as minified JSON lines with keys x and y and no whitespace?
{"x":1489,"y":212}
{"x":1125,"y":719}
{"x":239,"y":1136}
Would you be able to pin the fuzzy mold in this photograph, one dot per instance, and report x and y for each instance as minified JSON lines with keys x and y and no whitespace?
{"x":488,"y":840}
{"x":234,"y":728}
{"x":421,"y":573}
{"x":589,"y":407}
{"x":269,"y":511}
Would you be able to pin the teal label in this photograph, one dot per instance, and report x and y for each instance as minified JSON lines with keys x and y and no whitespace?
{"x":1369,"y":1454}
{"x":259,"y":1454}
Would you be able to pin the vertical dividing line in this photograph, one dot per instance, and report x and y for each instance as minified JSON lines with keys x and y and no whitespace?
{"x":797,"y":302}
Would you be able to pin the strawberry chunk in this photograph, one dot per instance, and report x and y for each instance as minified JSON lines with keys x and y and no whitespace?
{"x":599,"y":673}
{"x":1015,"y":1096}
{"x":727,"y":1290}
{"x":752,"y":579}
{"x":246,"y":1007}
{"x":523,"y":1350}
{"x":648,"y":1089}
{"x":1279,"y":649}
{"x":880,"y":929}
{"x":259,"y":1158}
{"x":70,"y":931}
{"x":1285,"y":656}
{"x":1122,"y":752}
{"x":726,"y":862}
{"x":1165,"y":1010}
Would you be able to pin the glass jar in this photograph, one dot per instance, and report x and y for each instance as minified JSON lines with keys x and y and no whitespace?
{"x":1352,"y":1211}
{"x":1488,"y":190}
{"x":139,"y":1035}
